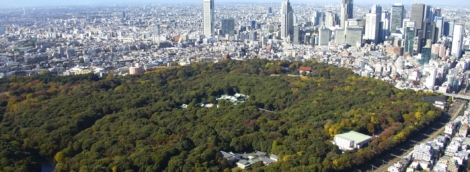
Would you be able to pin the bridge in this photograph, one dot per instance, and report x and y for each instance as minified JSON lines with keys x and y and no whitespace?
{"x":459,"y":96}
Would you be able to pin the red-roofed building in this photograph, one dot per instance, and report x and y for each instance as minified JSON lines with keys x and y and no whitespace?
{"x":305,"y":69}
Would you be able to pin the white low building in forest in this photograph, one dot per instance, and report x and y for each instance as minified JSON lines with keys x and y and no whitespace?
{"x":351,"y":140}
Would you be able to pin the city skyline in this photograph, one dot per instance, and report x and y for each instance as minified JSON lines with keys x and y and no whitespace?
{"x":30,"y":3}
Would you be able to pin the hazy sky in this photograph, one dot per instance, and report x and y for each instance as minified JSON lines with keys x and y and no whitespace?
{"x":21,"y":3}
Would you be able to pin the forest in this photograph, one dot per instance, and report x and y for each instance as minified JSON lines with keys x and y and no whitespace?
{"x":135,"y":123}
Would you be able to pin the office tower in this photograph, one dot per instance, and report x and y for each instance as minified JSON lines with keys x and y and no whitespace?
{"x":346,"y":12}
{"x":438,"y":12}
{"x":208,"y":7}
{"x":318,"y":18}
{"x":373,"y":23}
{"x":287,"y":19}
{"x":340,"y":36}
{"x":439,"y":27}
{"x":457,"y":41}
{"x":398,"y":11}
{"x":270,"y":10}
{"x":254,"y":35}
{"x":410,"y":33}
{"x":296,"y":35}
{"x":253,"y":24}
{"x":123,"y":15}
{"x":228,"y":26}
{"x":425,"y":55}
{"x":354,"y":36}
{"x":417,"y":15}
{"x":156,"y":33}
{"x":330,"y":19}
{"x":449,"y":28}
{"x":428,"y":12}
{"x":324,"y":35}
{"x":385,"y":25}
{"x":2,"y":30}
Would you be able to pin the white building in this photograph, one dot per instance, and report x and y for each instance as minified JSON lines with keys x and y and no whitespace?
{"x":351,"y":140}
{"x":208,"y":6}
{"x":457,"y":41}
{"x":372,"y":24}
{"x":287,"y":19}
{"x":423,"y":152}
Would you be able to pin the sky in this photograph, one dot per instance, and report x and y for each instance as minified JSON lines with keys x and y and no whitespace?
{"x":29,"y":3}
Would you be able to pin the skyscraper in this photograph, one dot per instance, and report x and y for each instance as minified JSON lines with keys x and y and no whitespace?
{"x":208,"y":6}
{"x":287,"y":19}
{"x":409,"y":39}
{"x":457,"y":41}
{"x":385,"y":20}
{"x":228,"y":26}
{"x":156,"y":33}
{"x":397,"y":17}
{"x":373,"y":23}
{"x":449,"y":28}
{"x":417,"y":15}
{"x":346,"y":12}
{"x":439,"y":27}
{"x":330,"y":19}
{"x":318,"y":18}
{"x":324,"y":35}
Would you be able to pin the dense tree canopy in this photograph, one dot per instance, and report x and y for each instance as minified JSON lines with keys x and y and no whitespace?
{"x":135,"y":123}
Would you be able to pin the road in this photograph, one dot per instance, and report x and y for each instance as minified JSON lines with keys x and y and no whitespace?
{"x":381,"y":164}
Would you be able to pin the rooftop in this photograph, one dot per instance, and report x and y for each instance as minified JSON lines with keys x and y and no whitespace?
{"x":354,"y":136}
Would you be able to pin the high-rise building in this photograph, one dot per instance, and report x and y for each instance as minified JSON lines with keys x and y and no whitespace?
{"x":457,"y":39}
{"x":253,"y":35}
{"x":417,"y":15}
{"x":253,"y":24}
{"x":330,"y":19}
{"x":287,"y":19}
{"x":318,"y":18}
{"x":228,"y":27}
{"x":449,"y":28}
{"x":373,"y":23}
{"x":398,"y":11}
{"x":156,"y":33}
{"x":270,"y":10}
{"x":385,"y":20}
{"x":324,"y":36}
{"x":428,"y":13}
{"x":354,"y":36}
{"x":439,"y":27}
{"x":208,"y":6}
{"x":123,"y":15}
{"x":346,"y":12}
{"x":2,"y":30}
{"x":425,"y":55}
{"x":410,"y":33}
{"x":340,"y":36}
{"x":296,"y":36}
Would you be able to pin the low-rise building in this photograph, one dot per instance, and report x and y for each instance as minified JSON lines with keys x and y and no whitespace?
{"x":351,"y":140}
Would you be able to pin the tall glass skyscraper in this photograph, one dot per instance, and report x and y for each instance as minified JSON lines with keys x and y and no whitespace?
{"x":417,"y":15}
{"x":410,"y":33}
{"x":287,"y":19}
{"x":398,"y":11}
{"x":208,"y":7}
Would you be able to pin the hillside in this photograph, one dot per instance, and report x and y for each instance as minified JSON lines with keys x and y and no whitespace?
{"x":135,"y":122}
